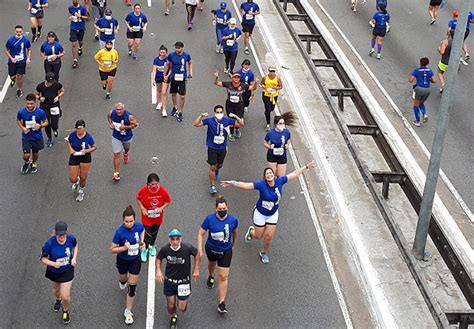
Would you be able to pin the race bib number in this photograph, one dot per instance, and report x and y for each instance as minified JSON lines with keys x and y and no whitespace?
{"x":63,"y":261}
{"x":117,"y":125}
{"x":136,"y":28}
{"x":107,"y":63}
{"x":19,"y":57}
{"x":108,"y":31}
{"x":153,"y":213}
{"x":160,"y":68}
{"x":133,"y":250}
{"x":219,"y":140}
{"x":75,"y":19}
{"x":30,"y":124}
{"x":184,"y":290}
{"x":234,"y":98}
{"x":34,"y":10}
{"x":249,"y":17}
{"x":268,"y":205}
{"x":218,"y":236}
{"x":50,"y":58}
{"x":230,"y":42}
{"x":270,"y":90}
{"x":179,"y":77}
{"x":78,"y":154}
{"x":278,"y":151}
{"x":220,"y":20}
{"x":54,"y":110}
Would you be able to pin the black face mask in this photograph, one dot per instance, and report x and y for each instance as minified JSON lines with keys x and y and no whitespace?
{"x":222,"y":213}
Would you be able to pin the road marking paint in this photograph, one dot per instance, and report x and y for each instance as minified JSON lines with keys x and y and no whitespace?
{"x":149,"y":3}
{"x":150,"y":294}
{"x":6,"y":85}
{"x":153,"y":90}
{"x":325,"y":165}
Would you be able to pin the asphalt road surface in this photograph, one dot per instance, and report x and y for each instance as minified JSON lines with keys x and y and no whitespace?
{"x":411,"y":38}
{"x":294,"y":290}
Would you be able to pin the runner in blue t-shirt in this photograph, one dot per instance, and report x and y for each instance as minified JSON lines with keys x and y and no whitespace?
{"x":277,"y":141}
{"x":78,"y":17}
{"x":121,"y":122}
{"x":380,"y":23}
{"x":158,"y":72}
{"x":216,"y":140}
{"x":222,"y":236}
{"x":52,"y":51}
{"x":452,"y":26}
{"x":422,"y":77}
{"x":176,"y":73}
{"x":127,"y":242}
{"x":80,"y":145}
{"x":248,"y":77}
{"x":31,"y":119}
{"x":107,"y":27}
{"x":220,"y":18}
{"x":137,"y":23}
{"x":265,"y":214}
{"x":248,"y":10}
{"x":59,"y":254}
{"x":230,"y":42}
{"x":36,"y":9}
{"x":18,"y":50}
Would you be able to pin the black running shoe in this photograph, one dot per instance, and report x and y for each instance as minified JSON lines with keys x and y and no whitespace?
{"x":12,"y":83}
{"x":19,"y":93}
{"x":55,"y":133}
{"x":210,"y":282}
{"x":174,"y":322}
{"x":57,"y":305}
{"x":67,"y":318}
{"x":221,"y":308}
{"x":179,"y":117}
{"x":25,"y":168}
{"x":174,"y":111}
{"x":79,"y":51}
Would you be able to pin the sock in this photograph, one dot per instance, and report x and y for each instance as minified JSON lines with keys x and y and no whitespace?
{"x":379,"y":48}
{"x":416,"y":110}
{"x":372,"y":43}
{"x":33,"y":31}
{"x":423,"y":109}
{"x":39,"y":28}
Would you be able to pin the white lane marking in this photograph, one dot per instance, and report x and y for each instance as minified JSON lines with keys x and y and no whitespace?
{"x":6,"y":85}
{"x":406,"y":122}
{"x":150,"y":294}
{"x":153,"y":89}
{"x":149,"y":3}
{"x":326,"y":165}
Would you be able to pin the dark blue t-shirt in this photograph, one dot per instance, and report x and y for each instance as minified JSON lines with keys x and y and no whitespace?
{"x":134,"y":20}
{"x":222,"y":18}
{"x":247,"y":8}
{"x":231,"y":44}
{"x":423,"y":76}
{"x":117,"y":121}
{"x":279,"y":139}
{"x":36,"y":10}
{"x":220,"y":231}
{"x":217,"y":132}
{"x":179,"y":70}
{"x":79,"y":24}
{"x":270,"y":197}
{"x":62,"y":253}
{"x":79,"y":144}
{"x":160,"y":67}
{"x":109,"y":26}
{"x":53,"y":48}
{"x":28,"y":120}
{"x":246,"y":77}
{"x":381,"y":19}
{"x":123,"y":234}
{"x":18,"y":48}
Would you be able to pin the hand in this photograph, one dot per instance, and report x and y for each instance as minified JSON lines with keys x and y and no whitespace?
{"x":42,"y":99}
{"x":190,"y":76}
{"x":232,"y":115}
{"x":142,"y":246}
{"x":158,"y":210}
{"x":144,"y":212}
{"x":272,"y":146}
{"x":205,"y":114}
{"x":311,"y":164}
{"x":144,"y":29}
{"x":216,"y":74}
{"x":37,"y":5}
{"x":122,"y":127}
{"x":54,"y":57}
{"x":226,"y":183}
{"x":213,"y":22}
{"x":127,"y":245}
{"x":159,"y":276}
{"x":57,"y":265}
{"x":28,"y":61}
{"x":25,"y":130}
{"x":13,"y":60}
{"x":286,"y":146}
{"x":37,"y":126}
{"x":165,"y":79}
{"x":111,"y":126}
{"x":196,"y":275}
{"x":56,"y":99}
{"x":74,"y":262}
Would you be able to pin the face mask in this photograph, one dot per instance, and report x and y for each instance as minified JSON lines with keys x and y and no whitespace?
{"x":18,"y":36}
{"x":222,"y":213}
{"x":219,"y":116}
{"x":108,"y":18}
{"x":153,"y":188}
{"x":280,"y":127}
{"x":109,"y":49}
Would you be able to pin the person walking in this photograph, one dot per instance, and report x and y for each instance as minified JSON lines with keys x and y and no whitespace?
{"x":158,"y":72}
{"x":59,"y":254}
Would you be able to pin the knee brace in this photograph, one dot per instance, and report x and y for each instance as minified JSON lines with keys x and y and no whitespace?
{"x":131,"y":290}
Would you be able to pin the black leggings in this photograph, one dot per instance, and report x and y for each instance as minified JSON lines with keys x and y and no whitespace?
{"x":230,"y":57}
{"x":246,"y":96}
{"x":269,"y":107}
{"x":191,"y":9}
{"x":237,"y":109}
{"x":150,"y":234}
{"x":52,"y":67}
{"x":53,"y":121}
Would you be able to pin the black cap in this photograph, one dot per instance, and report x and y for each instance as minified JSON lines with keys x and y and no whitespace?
{"x":108,"y":12}
{"x":60,"y":228}
{"x":80,"y":124}
{"x":50,"y":77}
{"x":179,"y":44}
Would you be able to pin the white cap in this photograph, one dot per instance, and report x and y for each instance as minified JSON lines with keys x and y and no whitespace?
{"x":232,"y":21}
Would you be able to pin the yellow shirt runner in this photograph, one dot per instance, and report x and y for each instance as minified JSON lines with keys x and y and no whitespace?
{"x":108,"y":59}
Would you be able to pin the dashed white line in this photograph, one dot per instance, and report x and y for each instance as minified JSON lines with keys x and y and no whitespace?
{"x":149,"y":3}
{"x":6,"y":85}
{"x":150,"y":294}
{"x":153,"y":90}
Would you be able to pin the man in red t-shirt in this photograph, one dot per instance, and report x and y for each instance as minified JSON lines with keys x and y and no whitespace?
{"x":152,"y":199}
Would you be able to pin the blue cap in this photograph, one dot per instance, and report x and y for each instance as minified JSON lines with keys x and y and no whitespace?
{"x":223,"y":5}
{"x":174,"y":232}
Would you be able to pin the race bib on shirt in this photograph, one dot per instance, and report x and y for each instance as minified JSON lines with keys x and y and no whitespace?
{"x":34,"y":10}
{"x":268,"y":205}
{"x":249,"y":17}
{"x":179,"y":77}
{"x":117,"y":125}
{"x":54,"y":110}
{"x":133,"y":250}
{"x":230,"y":42}
{"x":63,"y":261}
{"x":107,"y":63}
{"x":218,"y":236}
{"x":19,"y":57}
{"x":278,"y":151}
{"x":219,"y":140}
{"x":108,"y":31}
{"x":136,"y":28}
{"x":30,"y":124}
{"x":220,"y":20}
{"x":184,"y":290}
{"x":75,"y":19}
{"x":153,"y":213}
{"x":234,"y":98}
{"x":160,"y":68}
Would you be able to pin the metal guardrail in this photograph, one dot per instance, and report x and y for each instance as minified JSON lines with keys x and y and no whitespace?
{"x":396,"y":174}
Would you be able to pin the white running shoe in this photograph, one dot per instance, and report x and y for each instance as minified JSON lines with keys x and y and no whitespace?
{"x":122,"y":286}
{"x":80,"y":195}
{"x":75,"y":186}
{"x":164,"y":114}
{"x":128,"y":316}
{"x":158,"y":106}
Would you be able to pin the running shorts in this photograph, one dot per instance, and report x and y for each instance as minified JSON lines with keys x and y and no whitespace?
{"x":134,"y":35}
{"x":16,"y":69}
{"x":105,"y":75}
{"x":32,"y":145}
{"x":223,"y":258}
{"x":248,"y":28}
{"x":178,"y":87}
{"x":421,"y":93}
{"x":170,"y":289}
{"x":442,"y":67}
{"x":77,"y":160}
{"x":261,"y":220}
{"x":379,"y":31}
{"x":76,"y":35}
{"x":278,"y":159}
{"x":60,"y":277}
{"x":215,"y":157}
{"x":129,"y":266}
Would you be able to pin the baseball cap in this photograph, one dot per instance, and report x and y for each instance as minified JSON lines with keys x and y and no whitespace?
{"x":236,"y":74}
{"x":223,"y":5}
{"x":60,"y":228}
{"x":108,"y":12}
{"x":174,"y":232}
{"x":50,"y":77}
{"x":272,"y":68}
{"x":455,"y":13}
{"x":232,"y":21}
{"x":80,"y":124}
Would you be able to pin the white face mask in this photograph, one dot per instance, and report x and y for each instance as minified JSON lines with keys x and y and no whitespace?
{"x":219,"y":116}
{"x":280,"y":127}
{"x":108,"y":17}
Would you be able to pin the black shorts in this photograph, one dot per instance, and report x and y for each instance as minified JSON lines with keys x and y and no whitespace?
{"x":435,"y":2}
{"x":279,"y":159}
{"x":379,"y":31}
{"x":159,"y":80}
{"x":466,"y":34}
{"x":236,"y":108}
{"x":178,"y":87}
{"x":134,"y":35}
{"x":223,"y":258}
{"x":170,"y":289}
{"x":216,"y":157}
{"x":60,"y":277}
{"x":77,"y":160}
{"x":32,"y":145}
{"x":39,"y":15}
{"x":105,"y":75}
{"x":16,"y":68}
{"x":248,"y":28}
{"x":129,"y":266}
{"x":76,"y":35}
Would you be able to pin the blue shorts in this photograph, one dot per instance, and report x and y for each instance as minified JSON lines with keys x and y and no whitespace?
{"x":32,"y":145}
{"x":170,"y":289}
